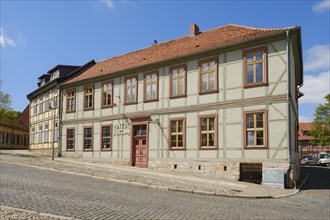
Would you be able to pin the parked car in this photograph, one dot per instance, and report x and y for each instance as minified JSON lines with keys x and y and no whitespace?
{"x":323,"y":160}
{"x":307,"y":160}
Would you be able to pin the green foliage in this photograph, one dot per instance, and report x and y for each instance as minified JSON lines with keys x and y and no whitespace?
{"x":5,"y":99}
{"x":321,"y":124}
{"x":7,"y":114}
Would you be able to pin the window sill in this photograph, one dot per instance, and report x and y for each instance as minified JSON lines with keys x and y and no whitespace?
{"x":73,"y":111}
{"x":88,"y":150}
{"x":254,"y":85}
{"x":178,"y":96}
{"x":151,"y":100}
{"x":106,"y":106}
{"x":208,"y":148}
{"x":88,"y":109}
{"x":255,"y":148}
{"x":130,"y":103}
{"x":106,"y":149}
{"x":177,"y":149}
{"x":208,"y":92}
{"x":68,"y":150}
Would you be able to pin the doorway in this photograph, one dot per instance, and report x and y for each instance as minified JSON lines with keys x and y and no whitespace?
{"x":140,"y":145}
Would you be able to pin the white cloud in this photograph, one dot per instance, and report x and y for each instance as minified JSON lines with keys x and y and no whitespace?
{"x":108,"y":3}
{"x":305,"y":119}
{"x":321,"y":6}
{"x":6,"y":41}
{"x":315,"y":88}
{"x":317,"y":58}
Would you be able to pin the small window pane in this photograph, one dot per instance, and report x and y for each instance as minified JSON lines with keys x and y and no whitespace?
{"x":204,"y":121}
{"x":144,"y":129}
{"x":180,"y":86}
{"x":249,"y":57}
{"x":180,"y":141}
{"x":212,"y":65}
{"x":180,"y":126}
{"x":250,"y":73}
{"x":259,"y":55}
{"x":259,"y":73}
{"x":181,"y":71}
{"x":153,"y":89}
{"x":260,"y":138}
{"x":204,"y":139}
{"x":174,"y":87}
{"x":204,"y":81}
{"x":250,"y":121}
{"x":211,"y":124}
{"x":250,"y":137}
{"x":128,"y":95}
{"x":204,"y":67}
{"x":211,"y":140}
{"x":133,"y":95}
{"x":147,"y":92}
{"x":173,"y":126}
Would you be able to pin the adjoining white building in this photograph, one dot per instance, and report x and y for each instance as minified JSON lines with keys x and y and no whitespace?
{"x":222,"y":101}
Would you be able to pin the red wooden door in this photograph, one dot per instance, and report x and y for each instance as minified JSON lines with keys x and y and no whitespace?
{"x":139,"y":146}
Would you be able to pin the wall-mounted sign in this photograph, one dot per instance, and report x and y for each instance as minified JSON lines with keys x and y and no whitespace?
{"x":121,"y":129}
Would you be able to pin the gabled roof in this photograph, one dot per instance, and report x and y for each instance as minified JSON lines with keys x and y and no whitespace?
{"x":188,"y":45}
{"x":304,"y":126}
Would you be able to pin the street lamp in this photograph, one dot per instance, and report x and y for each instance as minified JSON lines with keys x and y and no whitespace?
{"x":54,"y":101}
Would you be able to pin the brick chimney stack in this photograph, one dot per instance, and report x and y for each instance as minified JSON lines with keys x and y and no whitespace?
{"x":194,"y":29}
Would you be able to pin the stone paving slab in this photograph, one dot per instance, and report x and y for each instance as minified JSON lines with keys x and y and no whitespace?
{"x":144,"y":177}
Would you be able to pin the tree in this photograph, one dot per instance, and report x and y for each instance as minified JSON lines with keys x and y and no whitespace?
{"x":7,"y":114}
{"x":5,"y":99}
{"x":321,"y":123}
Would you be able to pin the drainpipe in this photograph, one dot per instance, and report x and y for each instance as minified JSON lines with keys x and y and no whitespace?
{"x":288,"y":97}
{"x":60,"y":109}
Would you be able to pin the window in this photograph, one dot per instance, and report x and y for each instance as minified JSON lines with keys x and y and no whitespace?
{"x":255,"y":129}
{"x":70,"y":139}
{"x":56,"y":132}
{"x":151,"y":86}
{"x":32,"y":135}
{"x":208,"y":75}
{"x":88,"y":138}
{"x":208,"y":132}
{"x":46,"y":102}
{"x":35,"y":107}
{"x":88,"y":100}
{"x":41,"y":104}
{"x":107,"y":94}
{"x":46,"y":133}
{"x":55,"y":98}
{"x":177,"y":134}
{"x":131,"y":90}
{"x":305,"y":133}
{"x":178,"y":81}
{"x":40,"y":134}
{"x":106,"y":138}
{"x":255,"y":68}
{"x":71,"y":103}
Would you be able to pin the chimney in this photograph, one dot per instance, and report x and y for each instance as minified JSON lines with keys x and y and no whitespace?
{"x":194,"y":29}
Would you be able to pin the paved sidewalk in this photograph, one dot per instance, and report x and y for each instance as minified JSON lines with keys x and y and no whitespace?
{"x":144,"y":177}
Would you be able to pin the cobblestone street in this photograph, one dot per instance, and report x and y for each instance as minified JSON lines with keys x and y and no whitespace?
{"x":80,"y":197}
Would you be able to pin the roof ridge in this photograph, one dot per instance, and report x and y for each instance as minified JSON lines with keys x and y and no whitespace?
{"x":256,"y":28}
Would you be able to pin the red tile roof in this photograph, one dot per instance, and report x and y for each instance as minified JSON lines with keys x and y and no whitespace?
{"x":304,"y":126}
{"x":183,"y":46}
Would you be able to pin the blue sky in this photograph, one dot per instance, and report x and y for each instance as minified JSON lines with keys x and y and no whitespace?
{"x":38,"y":35}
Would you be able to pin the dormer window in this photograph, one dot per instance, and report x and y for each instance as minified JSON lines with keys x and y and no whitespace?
{"x":55,"y":75}
{"x":42,"y":82}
